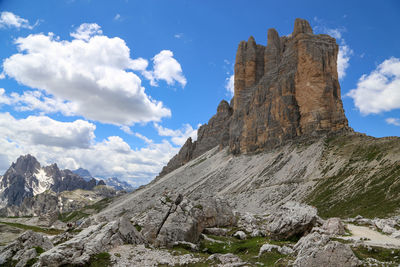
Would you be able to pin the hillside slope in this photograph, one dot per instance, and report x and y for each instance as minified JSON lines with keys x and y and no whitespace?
{"x":342,"y":176}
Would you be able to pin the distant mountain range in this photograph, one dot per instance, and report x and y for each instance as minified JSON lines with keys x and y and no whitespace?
{"x":27,"y":178}
{"x":112,"y":181}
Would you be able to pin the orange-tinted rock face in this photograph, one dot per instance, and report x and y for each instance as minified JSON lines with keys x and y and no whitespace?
{"x":298,"y":93}
{"x":283,"y":91}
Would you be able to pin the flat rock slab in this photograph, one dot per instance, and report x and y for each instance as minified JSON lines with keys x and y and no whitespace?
{"x":8,"y":234}
{"x":375,"y":238}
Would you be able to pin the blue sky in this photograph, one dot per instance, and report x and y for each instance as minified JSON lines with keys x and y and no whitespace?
{"x":117,"y":86}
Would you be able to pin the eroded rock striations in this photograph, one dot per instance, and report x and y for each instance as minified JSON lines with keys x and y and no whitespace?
{"x":283,"y":91}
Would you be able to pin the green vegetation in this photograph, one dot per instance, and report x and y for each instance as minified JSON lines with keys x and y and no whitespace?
{"x":196,"y":264}
{"x":359,"y":188}
{"x":198,"y":206}
{"x":31,"y":262}
{"x":199,"y":161}
{"x":350,"y":193}
{"x":100,"y":205}
{"x":39,"y":250}
{"x":247,"y":249}
{"x":390,"y":255}
{"x":341,"y":240}
{"x":75,"y":215}
{"x":100,"y":260}
{"x":72,"y":216}
{"x":10,"y":263}
{"x":138,"y":227}
{"x":48,"y":231}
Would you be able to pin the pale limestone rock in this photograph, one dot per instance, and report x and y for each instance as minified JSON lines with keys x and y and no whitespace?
{"x":291,"y":219}
{"x":22,"y":249}
{"x":171,"y":221}
{"x":92,"y":240}
{"x":240,"y":234}
{"x":315,"y":250}
{"x":269,"y":247}
{"x":333,"y":226}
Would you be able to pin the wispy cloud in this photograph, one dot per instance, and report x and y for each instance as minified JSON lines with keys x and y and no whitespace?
{"x":117,"y":17}
{"x":178,"y":35}
{"x":10,"y":20}
{"x":393,"y":121}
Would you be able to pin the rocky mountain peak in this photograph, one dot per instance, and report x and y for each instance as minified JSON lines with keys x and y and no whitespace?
{"x":27,"y":178}
{"x":301,"y":26}
{"x":26,"y":164}
{"x":285,"y":91}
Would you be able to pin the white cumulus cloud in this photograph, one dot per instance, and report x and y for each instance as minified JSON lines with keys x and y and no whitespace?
{"x":393,"y":121}
{"x":72,"y":145}
{"x":378,"y":91}
{"x":166,"y":68}
{"x":9,"y":20}
{"x":42,"y":130}
{"x":91,"y":75}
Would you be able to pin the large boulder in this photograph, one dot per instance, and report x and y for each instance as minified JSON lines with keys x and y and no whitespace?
{"x":387,"y":226}
{"x":178,"y":218}
{"x":315,"y":250}
{"x":291,"y":219}
{"x":26,"y":247}
{"x":270,"y":247}
{"x":333,"y":226}
{"x":90,"y":241}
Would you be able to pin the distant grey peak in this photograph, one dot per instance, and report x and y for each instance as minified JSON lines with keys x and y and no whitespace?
{"x":26,"y":164}
{"x":118,"y":184}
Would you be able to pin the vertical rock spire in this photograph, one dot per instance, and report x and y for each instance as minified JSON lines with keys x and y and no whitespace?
{"x":284,"y":91}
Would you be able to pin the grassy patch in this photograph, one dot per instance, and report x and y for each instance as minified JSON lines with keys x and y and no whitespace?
{"x":138,"y":227}
{"x":100,"y":205}
{"x":100,"y":260}
{"x":39,"y":250}
{"x":247,"y":249}
{"x":10,"y":263}
{"x":381,"y":254}
{"x":341,"y":240}
{"x":199,"y":161}
{"x":75,"y":215}
{"x":198,"y":206}
{"x":374,"y":196}
{"x":31,"y":262}
{"x":72,"y":216}
{"x":48,"y":231}
{"x":362,"y":186}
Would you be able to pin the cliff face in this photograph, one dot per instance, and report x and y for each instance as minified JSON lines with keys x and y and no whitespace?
{"x":283,"y":91}
{"x":215,"y":132}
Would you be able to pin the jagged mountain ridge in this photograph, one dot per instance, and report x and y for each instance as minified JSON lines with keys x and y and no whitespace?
{"x":27,"y":178}
{"x":286,"y":90}
{"x":114,"y":182}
